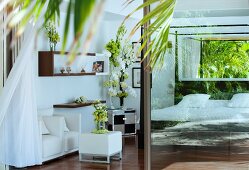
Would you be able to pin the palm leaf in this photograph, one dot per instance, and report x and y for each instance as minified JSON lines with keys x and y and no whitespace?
{"x":29,"y":10}
{"x":159,"y":19}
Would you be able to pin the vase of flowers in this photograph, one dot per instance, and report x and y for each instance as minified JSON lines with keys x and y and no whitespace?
{"x":100,"y":117}
{"x":121,"y":58}
{"x":52,"y":35}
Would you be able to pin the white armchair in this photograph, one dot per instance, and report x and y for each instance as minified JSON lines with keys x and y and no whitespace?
{"x":51,"y":136}
{"x":71,"y":135}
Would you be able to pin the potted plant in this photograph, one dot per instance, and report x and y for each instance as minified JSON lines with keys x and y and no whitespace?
{"x":100,"y":117}
{"x":52,"y":35}
{"x":121,"y":58}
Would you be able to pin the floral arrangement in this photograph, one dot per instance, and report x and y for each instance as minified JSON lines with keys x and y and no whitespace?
{"x":52,"y":34}
{"x":100,"y":117}
{"x":114,"y":46}
{"x":81,"y":99}
{"x":122,"y":57}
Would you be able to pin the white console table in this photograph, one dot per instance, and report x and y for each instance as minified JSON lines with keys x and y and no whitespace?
{"x":100,"y":145}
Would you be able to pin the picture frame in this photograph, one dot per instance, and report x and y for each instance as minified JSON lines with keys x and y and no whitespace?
{"x":98,"y":66}
{"x":136,"y":77}
{"x":135,"y":47}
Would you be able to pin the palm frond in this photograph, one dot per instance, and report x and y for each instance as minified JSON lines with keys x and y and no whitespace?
{"x":159,"y":18}
{"x":20,"y":12}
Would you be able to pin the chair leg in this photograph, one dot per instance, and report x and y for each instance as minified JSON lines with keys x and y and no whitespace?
{"x":108,"y":159}
{"x":120,"y":155}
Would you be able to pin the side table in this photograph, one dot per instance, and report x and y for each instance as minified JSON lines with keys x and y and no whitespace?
{"x":122,"y":120}
{"x":100,"y":145}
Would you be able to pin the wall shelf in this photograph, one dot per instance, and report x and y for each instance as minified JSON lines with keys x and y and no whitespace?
{"x":50,"y":63}
{"x":77,"y":105}
{"x":75,"y":74}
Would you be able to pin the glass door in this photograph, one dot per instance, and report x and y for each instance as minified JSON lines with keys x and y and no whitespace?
{"x":200,"y":98}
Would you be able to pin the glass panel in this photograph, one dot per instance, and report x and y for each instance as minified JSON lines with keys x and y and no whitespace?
{"x":200,"y":98}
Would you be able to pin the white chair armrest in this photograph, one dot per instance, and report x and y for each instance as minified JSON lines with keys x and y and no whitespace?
{"x":72,"y":121}
{"x":54,"y":125}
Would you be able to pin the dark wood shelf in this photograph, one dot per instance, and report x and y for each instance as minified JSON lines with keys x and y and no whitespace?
{"x":66,"y":53}
{"x":46,"y":64}
{"x":76,"y":105}
{"x":75,"y":74}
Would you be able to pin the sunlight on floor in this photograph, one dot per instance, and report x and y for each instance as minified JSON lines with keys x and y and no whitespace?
{"x":209,"y":165}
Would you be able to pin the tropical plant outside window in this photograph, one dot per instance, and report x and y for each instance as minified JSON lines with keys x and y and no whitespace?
{"x":224,"y":59}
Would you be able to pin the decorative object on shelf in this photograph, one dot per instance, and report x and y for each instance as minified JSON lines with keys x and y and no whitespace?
{"x":136,"y":77}
{"x":98,"y":66}
{"x":68,"y":69}
{"x":122,"y":57}
{"x":136,"y":49}
{"x":81,"y":99}
{"x":62,"y":70}
{"x":52,"y":35}
{"x":100,"y":117}
{"x":83,"y":70}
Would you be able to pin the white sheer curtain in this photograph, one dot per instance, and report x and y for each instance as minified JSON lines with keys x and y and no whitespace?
{"x":189,"y":58}
{"x":20,"y":143}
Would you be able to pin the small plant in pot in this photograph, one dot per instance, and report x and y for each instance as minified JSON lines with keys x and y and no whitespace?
{"x":100,"y":117}
{"x":52,"y":35}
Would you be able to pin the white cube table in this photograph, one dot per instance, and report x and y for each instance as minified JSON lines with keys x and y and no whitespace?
{"x":100,"y":145}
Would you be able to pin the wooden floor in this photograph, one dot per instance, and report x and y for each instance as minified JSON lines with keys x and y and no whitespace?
{"x":167,"y":158}
{"x":132,"y":160}
{"x":200,"y":158}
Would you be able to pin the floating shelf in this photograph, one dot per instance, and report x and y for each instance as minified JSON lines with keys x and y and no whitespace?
{"x":76,"y":74}
{"x":76,"y":105}
{"x":50,"y":63}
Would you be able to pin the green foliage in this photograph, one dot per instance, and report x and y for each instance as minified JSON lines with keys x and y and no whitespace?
{"x":159,"y":18}
{"x":81,"y":99}
{"x":122,"y":94}
{"x":52,"y":34}
{"x":225,"y":59}
{"x":33,"y":10}
{"x":100,"y":113}
{"x":219,"y":90}
{"x":114,"y":46}
{"x":157,"y":125}
{"x":100,"y":117}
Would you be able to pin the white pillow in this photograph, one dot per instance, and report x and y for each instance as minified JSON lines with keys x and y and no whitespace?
{"x":194,"y":100}
{"x":44,"y":129}
{"x":239,"y":100}
{"x":65,"y":125}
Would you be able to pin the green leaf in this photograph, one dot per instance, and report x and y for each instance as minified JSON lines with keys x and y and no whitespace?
{"x":159,"y":18}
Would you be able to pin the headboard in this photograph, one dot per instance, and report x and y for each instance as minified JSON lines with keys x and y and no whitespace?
{"x":219,"y":90}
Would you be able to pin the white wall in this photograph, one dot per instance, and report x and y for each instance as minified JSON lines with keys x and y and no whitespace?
{"x":56,"y":90}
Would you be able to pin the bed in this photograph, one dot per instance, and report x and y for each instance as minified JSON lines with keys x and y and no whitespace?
{"x":203,"y":122}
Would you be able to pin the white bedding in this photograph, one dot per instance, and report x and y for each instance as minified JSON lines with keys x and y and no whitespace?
{"x":215,"y":110}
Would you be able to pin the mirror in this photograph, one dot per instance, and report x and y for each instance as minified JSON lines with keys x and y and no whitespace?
{"x":214,"y":56}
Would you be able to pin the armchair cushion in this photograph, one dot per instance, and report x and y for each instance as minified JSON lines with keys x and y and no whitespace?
{"x":51,"y":145}
{"x":44,"y":129}
{"x":65,"y":125}
{"x":71,"y":139}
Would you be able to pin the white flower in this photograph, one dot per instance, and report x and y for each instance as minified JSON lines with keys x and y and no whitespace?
{"x":123,"y":85}
{"x":112,"y":92}
{"x":131,"y":91}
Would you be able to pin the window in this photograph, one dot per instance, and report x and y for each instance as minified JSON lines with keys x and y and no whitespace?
{"x":224,"y":59}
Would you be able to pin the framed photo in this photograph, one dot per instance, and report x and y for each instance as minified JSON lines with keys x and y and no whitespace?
{"x":136,"y":77}
{"x":98,"y":66}
{"x":135,"y":47}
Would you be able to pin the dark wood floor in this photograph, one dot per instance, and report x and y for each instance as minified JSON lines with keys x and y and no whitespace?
{"x":200,"y":158}
{"x":132,"y":160}
{"x":168,"y":158}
